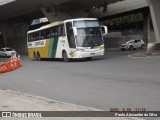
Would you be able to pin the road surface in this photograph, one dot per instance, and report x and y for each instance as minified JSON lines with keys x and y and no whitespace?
{"x":112,"y":81}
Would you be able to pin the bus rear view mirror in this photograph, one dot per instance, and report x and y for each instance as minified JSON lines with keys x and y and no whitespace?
{"x":104,"y":30}
{"x":75,"y":31}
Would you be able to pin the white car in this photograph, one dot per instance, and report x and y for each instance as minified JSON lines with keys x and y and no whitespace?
{"x":133,"y":44}
{"x":7,"y":52}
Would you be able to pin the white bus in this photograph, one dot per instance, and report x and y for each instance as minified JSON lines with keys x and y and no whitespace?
{"x":74,"y":38}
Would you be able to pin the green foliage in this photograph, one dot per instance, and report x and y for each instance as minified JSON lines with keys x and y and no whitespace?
{"x":125,"y":19}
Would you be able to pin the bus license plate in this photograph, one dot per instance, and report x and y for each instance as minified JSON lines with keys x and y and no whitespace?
{"x":92,"y":53}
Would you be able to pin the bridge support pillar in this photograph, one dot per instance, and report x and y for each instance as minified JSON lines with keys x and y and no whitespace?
{"x":146,"y":24}
{"x":154,"y":9}
{"x":14,"y":35}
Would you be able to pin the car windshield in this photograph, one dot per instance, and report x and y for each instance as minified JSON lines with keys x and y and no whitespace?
{"x":129,"y":42}
{"x":89,"y":34}
{"x":9,"y":49}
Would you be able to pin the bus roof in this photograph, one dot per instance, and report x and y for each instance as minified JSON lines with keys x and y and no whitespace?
{"x":46,"y":26}
{"x":77,"y":19}
{"x":59,"y":23}
{"x":51,"y":24}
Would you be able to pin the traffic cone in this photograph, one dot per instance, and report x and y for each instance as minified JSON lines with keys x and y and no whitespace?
{"x":0,"y":68}
{"x":11,"y":64}
{"x":8,"y":65}
{"x":4,"y":69}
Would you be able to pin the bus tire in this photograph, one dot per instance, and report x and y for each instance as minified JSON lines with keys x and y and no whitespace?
{"x":38,"y":56}
{"x":34,"y":55}
{"x":65,"y":56}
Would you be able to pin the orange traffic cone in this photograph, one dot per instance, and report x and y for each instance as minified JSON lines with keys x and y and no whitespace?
{"x":4,"y":69}
{"x":8,"y":65}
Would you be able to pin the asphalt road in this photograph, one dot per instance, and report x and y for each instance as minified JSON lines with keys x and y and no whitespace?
{"x":112,"y":81}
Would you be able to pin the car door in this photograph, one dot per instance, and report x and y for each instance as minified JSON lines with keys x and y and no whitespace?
{"x":136,"y":44}
{"x":139,"y":43}
{"x":2,"y":52}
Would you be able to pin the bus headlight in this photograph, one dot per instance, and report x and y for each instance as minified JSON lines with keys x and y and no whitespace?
{"x":80,"y":49}
{"x":102,"y":48}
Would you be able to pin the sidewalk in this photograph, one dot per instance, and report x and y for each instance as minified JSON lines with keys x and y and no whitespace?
{"x":155,"y":54}
{"x":13,"y":101}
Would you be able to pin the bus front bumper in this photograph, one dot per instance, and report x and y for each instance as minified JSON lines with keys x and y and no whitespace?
{"x":86,"y":54}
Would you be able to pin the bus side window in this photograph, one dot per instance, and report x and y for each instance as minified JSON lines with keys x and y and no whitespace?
{"x":37,"y":36}
{"x":43,"y":34}
{"x":48,"y":33}
{"x":29,"y":37}
{"x":61,"y":31}
{"x":34,"y":36}
{"x":54,"y":32}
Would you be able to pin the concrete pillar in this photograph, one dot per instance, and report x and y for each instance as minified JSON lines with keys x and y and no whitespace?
{"x":6,"y":32}
{"x":154,"y":9}
{"x":15,"y":36}
{"x":20,"y":36}
{"x":146,"y":25}
{"x":1,"y":40}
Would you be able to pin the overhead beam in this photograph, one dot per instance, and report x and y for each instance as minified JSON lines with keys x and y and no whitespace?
{"x":55,"y":15}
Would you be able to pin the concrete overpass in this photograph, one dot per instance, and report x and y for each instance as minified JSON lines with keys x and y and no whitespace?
{"x":16,"y":15}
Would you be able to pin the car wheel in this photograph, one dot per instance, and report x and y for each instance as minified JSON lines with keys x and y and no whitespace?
{"x":142,"y":47}
{"x":38,"y":57}
{"x":122,"y":49}
{"x":5,"y":56}
{"x":65,"y":56}
{"x":131,"y":48}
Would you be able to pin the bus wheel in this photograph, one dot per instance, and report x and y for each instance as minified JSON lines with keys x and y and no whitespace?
{"x":65,"y":56}
{"x":38,"y":57}
{"x":88,"y":58}
{"x":34,"y":56}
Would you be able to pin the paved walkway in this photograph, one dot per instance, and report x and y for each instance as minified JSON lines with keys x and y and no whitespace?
{"x":155,"y":54}
{"x":13,"y":101}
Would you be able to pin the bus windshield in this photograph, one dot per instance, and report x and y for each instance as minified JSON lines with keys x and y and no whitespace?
{"x":89,"y":34}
